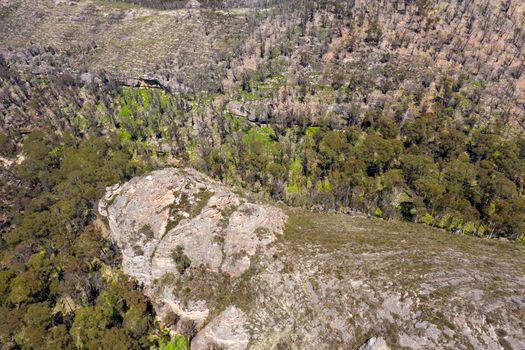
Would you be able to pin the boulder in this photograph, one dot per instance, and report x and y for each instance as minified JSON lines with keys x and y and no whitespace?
{"x":374,"y":344}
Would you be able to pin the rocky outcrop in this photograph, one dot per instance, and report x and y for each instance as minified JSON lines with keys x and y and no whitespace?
{"x":193,"y":4}
{"x":151,"y":218}
{"x":227,"y":331}
{"x":374,"y":344}
{"x":216,"y":266}
{"x":219,"y":230}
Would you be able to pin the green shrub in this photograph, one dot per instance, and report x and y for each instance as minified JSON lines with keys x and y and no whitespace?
{"x":181,"y":260}
{"x":427,"y":219}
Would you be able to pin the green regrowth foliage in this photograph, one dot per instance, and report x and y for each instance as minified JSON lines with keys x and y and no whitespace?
{"x":181,"y":260}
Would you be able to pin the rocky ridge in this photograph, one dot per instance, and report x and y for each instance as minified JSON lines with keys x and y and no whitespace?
{"x":331,"y":281}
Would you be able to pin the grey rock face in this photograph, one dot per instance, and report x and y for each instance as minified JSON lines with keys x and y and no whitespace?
{"x":150,"y":216}
{"x":227,"y":331}
{"x":219,"y":231}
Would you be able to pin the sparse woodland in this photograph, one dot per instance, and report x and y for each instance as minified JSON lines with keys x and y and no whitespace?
{"x":402,"y":110}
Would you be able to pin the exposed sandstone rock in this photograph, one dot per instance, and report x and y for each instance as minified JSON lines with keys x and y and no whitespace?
{"x":149,"y":217}
{"x":224,"y":332}
{"x":193,"y":4}
{"x":331,"y":281}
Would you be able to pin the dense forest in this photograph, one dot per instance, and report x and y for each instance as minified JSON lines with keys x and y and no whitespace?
{"x":297,"y":126}
{"x":433,"y":169}
{"x":60,"y":282}
{"x":58,"y":287}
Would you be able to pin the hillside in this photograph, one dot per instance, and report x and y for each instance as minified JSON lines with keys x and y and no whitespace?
{"x":399,"y":110}
{"x":327,"y":281}
{"x":262,"y":174}
{"x":341,"y":59}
